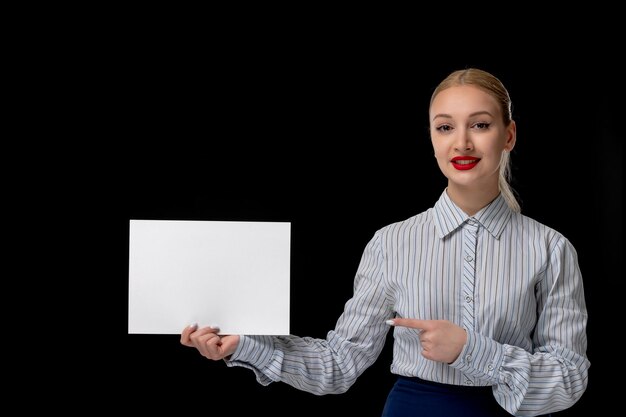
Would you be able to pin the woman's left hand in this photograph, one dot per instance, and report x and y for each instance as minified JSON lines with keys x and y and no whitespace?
{"x":441,"y":340}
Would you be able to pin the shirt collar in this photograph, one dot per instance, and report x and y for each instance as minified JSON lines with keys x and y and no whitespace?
{"x":449,"y":217}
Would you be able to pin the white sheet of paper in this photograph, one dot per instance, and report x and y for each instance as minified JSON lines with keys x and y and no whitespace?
{"x":231,"y":274}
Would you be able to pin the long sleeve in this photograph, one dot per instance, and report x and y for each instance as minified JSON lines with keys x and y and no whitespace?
{"x":331,"y":365}
{"x":554,"y":375}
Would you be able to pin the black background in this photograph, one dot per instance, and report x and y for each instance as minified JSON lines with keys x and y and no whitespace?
{"x":332,"y":137}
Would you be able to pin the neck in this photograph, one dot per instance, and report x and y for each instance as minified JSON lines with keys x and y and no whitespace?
{"x":471,"y":199}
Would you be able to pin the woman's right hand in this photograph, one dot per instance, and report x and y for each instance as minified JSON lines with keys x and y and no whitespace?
{"x":208,"y":342}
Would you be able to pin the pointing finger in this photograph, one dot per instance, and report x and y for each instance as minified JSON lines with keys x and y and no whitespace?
{"x":412,"y":323}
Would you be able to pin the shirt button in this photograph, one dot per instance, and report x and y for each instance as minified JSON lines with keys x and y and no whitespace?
{"x":468,"y":358}
{"x":468,"y":382}
{"x":490,"y":367}
{"x":469,"y":258}
{"x":468,"y":299}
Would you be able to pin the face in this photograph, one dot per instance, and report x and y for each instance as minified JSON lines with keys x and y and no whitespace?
{"x":469,"y":136}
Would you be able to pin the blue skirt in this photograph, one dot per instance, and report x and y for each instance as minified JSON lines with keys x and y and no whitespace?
{"x":414,"y":397}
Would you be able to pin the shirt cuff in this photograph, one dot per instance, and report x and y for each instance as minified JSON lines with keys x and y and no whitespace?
{"x":255,"y":353}
{"x":481,"y":358}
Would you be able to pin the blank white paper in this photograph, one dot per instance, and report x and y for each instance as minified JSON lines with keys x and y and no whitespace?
{"x":234,"y":275}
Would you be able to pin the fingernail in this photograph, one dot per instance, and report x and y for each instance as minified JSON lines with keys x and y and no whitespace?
{"x":193,"y":326}
{"x":390,"y":322}
{"x":214,"y":327}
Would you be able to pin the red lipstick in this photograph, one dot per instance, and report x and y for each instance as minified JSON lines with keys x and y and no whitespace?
{"x":464,"y":163}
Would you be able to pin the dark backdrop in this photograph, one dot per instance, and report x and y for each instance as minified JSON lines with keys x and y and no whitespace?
{"x":334,"y":141}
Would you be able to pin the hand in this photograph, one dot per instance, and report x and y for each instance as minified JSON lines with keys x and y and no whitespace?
{"x":441,"y":340}
{"x":208,"y":342}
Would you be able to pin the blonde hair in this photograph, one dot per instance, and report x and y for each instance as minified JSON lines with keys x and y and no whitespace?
{"x":494,"y":87}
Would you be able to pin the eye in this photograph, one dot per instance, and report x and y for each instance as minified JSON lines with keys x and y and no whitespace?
{"x":443,"y":128}
{"x":481,"y":125}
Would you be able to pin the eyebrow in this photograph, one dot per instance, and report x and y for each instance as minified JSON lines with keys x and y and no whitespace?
{"x":478,"y":113}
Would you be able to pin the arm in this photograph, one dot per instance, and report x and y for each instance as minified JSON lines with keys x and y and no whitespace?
{"x":554,"y":375}
{"x":331,"y":365}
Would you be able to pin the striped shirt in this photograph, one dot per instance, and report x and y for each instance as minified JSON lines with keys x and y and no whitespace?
{"x":511,"y":282}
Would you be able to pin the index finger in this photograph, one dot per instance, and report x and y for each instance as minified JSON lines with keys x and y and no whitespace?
{"x":184,"y":336}
{"x":412,"y":323}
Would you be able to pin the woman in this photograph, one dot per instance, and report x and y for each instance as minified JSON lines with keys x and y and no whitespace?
{"x":487,"y":305}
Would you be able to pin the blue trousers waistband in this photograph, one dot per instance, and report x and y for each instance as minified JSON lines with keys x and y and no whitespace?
{"x":414,"y":397}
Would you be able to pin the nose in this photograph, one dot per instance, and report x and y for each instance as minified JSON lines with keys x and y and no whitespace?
{"x":463,"y":141}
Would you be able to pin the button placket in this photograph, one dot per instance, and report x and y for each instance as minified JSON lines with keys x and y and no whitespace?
{"x":470,"y":232}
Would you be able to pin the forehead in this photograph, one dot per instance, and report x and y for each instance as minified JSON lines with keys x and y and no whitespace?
{"x":463,"y":100}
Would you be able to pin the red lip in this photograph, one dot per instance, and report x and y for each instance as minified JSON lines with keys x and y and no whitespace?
{"x":464,"y":165}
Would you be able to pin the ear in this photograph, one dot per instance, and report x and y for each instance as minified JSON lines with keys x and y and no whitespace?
{"x":511,"y":136}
